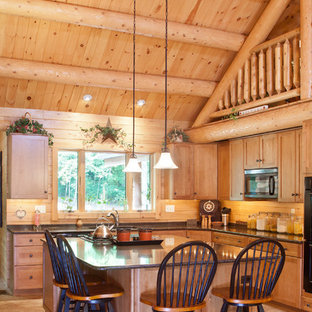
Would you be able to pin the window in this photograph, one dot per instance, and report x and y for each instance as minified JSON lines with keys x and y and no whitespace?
{"x":102,"y":183}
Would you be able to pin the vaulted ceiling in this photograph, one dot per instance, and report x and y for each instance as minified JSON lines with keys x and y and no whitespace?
{"x":46,"y":40}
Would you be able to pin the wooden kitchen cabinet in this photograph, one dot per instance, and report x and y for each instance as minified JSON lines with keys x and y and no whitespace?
{"x":236,"y":170}
{"x":290,"y":166}
{"x":196,"y":177}
{"x":27,"y":166}
{"x":307,"y":147}
{"x":26,"y":267}
{"x":260,"y":151}
{"x":224,"y":170}
{"x":199,"y":235}
{"x":229,"y":239}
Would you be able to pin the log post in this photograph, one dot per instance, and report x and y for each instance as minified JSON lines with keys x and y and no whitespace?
{"x":247,"y":81}
{"x":278,"y":68}
{"x":287,"y":67}
{"x":306,"y":48}
{"x":262,"y":79}
{"x":296,"y":60}
{"x":254,"y":76}
{"x":234,"y":92}
{"x":270,"y":70}
{"x":259,"y":33}
{"x":240,"y":86}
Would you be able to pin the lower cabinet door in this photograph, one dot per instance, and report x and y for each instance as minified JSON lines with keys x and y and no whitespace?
{"x":289,"y":284}
{"x":28,"y":277}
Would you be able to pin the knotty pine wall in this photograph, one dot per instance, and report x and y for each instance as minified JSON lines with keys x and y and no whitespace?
{"x":67,"y":134}
{"x":3,"y":229}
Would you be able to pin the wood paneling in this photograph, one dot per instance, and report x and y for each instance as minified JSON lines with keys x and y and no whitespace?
{"x":241,"y":209}
{"x":236,"y":170}
{"x":223,"y":170}
{"x":67,"y":134}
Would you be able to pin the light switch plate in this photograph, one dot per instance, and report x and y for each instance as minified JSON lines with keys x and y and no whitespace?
{"x":170,"y":208}
{"x":41,"y":208}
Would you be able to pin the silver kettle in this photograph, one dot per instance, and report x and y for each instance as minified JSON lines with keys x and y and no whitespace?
{"x":102,"y":230}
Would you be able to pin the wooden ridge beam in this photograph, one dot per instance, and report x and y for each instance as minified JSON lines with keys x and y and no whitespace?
{"x":278,"y":118}
{"x":145,"y":26}
{"x":65,"y":74}
{"x":259,"y":33}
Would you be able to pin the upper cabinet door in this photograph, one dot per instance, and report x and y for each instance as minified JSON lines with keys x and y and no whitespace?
{"x":287,"y":166}
{"x":28,"y":166}
{"x":181,"y":179}
{"x":236,"y":170}
{"x":307,"y":147}
{"x":268,"y":151}
{"x":205,"y":171}
{"x":252,"y":152}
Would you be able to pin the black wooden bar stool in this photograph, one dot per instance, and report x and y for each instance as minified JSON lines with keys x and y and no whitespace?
{"x":58,"y":270}
{"x":78,"y":290}
{"x":184,"y":278}
{"x":254,"y":274}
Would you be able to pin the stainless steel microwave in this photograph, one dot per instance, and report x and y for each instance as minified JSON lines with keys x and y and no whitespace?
{"x":261,"y":183}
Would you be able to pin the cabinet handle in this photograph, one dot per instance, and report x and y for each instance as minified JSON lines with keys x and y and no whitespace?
{"x":195,"y":193}
{"x":45,"y":192}
{"x":30,"y":240}
{"x":293,"y":194}
{"x":175,"y":193}
{"x":239,"y":241}
{"x":30,"y":277}
{"x":257,"y":160}
{"x":240,"y":193}
{"x":308,"y":305}
{"x":260,"y":160}
{"x":30,"y":255}
{"x":217,"y":237}
{"x":297,"y":194}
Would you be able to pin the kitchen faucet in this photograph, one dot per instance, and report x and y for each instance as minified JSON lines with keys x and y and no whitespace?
{"x":115,"y":216}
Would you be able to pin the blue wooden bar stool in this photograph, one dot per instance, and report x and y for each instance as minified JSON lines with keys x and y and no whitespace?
{"x":58,"y":270}
{"x":184,"y":278}
{"x":254,"y":274}
{"x":84,"y":295}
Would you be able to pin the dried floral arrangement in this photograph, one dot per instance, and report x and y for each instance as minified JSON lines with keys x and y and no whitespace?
{"x":26,"y":125}
{"x":101,"y":134}
{"x":177,"y":135}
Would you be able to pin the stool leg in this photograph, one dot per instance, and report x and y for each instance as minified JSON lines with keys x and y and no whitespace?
{"x":102,"y":305}
{"x":224,"y":306}
{"x":245,"y":308}
{"x":110,"y":306}
{"x":67,"y":303}
{"x":260,"y":308}
{"x":61,"y":300}
{"x":77,"y":306}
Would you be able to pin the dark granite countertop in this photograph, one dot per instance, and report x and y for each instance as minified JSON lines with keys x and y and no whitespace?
{"x":160,"y":226}
{"x":104,"y":257}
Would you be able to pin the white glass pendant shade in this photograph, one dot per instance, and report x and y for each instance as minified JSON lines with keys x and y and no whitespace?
{"x":165,"y":162}
{"x":133,"y":165}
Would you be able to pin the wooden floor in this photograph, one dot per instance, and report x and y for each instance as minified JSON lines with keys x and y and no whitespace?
{"x":18,"y":304}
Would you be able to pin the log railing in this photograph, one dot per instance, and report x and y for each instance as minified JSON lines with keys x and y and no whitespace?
{"x":271,"y":74}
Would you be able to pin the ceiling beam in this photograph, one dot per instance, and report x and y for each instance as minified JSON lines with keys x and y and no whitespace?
{"x":145,"y":26}
{"x":65,"y":74}
{"x":259,"y":33}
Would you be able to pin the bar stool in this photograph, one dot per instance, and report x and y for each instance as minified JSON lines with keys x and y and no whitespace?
{"x":58,"y":270}
{"x":183,"y":279}
{"x":78,"y":290}
{"x":254,"y":274}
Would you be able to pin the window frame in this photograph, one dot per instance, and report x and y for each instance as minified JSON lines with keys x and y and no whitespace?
{"x":130,"y":214}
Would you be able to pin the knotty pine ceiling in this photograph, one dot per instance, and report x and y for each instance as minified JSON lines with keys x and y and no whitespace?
{"x":42,"y":40}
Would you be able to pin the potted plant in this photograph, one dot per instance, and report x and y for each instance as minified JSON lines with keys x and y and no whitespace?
{"x":176,"y":135}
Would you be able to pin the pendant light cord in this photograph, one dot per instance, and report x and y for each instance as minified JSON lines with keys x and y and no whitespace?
{"x":133,"y":79}
{"x":166,"y":74}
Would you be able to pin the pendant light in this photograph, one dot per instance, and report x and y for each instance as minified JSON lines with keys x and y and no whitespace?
{"x":133,"y":164}
{"x":165,"y":161}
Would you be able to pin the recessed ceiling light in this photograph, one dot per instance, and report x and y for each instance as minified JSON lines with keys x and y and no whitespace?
{"x":87,"y":97}
{"x":140,"y":102}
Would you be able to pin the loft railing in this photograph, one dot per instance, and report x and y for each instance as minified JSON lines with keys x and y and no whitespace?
{"x":271,"y":74}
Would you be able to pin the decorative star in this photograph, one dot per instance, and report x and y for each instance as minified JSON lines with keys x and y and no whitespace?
{"x":109,"y":136}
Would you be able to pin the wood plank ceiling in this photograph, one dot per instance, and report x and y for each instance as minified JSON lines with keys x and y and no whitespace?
{"x":43,"y":40}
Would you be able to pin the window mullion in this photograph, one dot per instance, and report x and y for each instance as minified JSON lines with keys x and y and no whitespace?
{"x":81,"y":181}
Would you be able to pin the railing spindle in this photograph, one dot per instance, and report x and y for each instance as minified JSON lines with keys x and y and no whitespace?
{"x":287,"y":55}
{"x":227,"y":99}
{"x":296,"y":62}
{"x":247,"y":81}
{"x":221,"y":105}
{"x":233,"y":92}
{"x":262,"y":78}
{"x":254,"y":76}
{"x":240,"y":86}
{"x":270,"y":70}
{"x":278,"y":68}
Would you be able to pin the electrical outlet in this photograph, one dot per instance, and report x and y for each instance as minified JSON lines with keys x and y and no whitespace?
{"x":169,"y":241}
{"x":41,"y":208}
{"x":170,"y":208}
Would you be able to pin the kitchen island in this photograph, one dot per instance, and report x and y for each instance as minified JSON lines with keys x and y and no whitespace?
{"x":135,"y":269}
